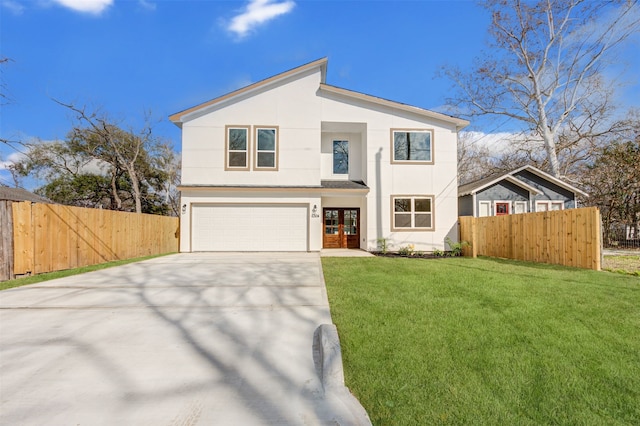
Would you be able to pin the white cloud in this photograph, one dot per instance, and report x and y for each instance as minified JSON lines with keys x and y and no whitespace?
{"x":145,"y":4}
{"x":256,"y":13}
{"x":93,"y":7}
{"x":13,"y":6}
{"x":12,"y":158}
{"x":495,"y":143}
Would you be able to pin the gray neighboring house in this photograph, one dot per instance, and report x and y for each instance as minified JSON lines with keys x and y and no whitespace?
{"x":524,"y":190}
{"x":19,"y":194}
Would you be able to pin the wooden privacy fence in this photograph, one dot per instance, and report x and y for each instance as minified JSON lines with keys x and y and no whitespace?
{"x":51,"y":237}
{"x":566,"y":237}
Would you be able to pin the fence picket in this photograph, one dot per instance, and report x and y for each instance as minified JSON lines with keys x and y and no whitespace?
{"x":51,"y":237}
{"x":565,"y":237}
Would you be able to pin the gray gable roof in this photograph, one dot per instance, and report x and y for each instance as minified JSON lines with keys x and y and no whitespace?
{"x":478,"y":185}
{"x":19,"y":194}
{"x":473,"y":187}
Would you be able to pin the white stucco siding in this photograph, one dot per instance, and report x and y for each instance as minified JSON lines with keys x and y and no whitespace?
{"x":386,"y":179}
{"x":292,"y":106}
{"x":356,"y":156}
{"x":288,"y":202}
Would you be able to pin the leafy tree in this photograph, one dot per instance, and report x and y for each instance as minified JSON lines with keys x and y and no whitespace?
{"x":82,"y":190}
{"x":100,"y":164}
{"x":546,"y":68}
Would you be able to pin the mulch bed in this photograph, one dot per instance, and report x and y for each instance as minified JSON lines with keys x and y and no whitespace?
{"x":414,"y":256}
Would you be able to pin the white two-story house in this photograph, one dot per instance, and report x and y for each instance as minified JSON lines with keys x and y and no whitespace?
{"x":293,"y":164}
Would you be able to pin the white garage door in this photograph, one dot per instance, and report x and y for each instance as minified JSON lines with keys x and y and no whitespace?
{"x":249,"y":227}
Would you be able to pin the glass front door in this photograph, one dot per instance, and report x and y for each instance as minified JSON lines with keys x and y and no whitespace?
{"x":341,"y":228}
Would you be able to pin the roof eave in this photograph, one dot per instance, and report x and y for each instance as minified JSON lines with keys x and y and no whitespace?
{"x":459,"y":123}
{"x":553,"y":179}
{"x":507,"y":177}
{"x":180,"y":117}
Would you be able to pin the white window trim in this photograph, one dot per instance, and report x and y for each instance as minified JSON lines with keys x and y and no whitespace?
{"x":488,"y":203}
{"x":412,"y":213}
{"x":549,"y":204}
{"x":275,"y":151}
{"x":520,"y":203}
{"x":227,"y":151}
{"x":431,"y":150}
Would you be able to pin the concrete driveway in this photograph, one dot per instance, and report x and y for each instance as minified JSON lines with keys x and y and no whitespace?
{"x":215,"y":339}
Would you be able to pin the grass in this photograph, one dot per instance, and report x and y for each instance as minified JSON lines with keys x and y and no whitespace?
{"x":482,"y":341}
{"x":623,"y":264}
{"x":34,"y":279}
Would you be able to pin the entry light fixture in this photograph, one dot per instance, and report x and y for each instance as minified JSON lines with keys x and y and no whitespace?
{"x":184,"y":208}
{"x":315,"y":209}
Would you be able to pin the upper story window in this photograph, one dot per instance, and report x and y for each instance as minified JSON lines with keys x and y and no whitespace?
{"x":412,"y":213}
{"x":237,"y":148}
{"x":340,"y":157}
{"x":412,"y":146}
{"x":266,"y":156}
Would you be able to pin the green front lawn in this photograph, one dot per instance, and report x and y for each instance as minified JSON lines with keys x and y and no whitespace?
{"x":482,"y":341}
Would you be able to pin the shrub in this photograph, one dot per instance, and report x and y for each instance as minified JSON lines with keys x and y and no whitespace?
{"x":456,"y":248}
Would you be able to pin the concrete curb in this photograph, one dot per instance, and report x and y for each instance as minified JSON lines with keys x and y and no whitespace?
{"x":327,"y":357}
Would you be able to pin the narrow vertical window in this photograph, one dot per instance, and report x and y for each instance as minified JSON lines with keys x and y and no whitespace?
{"x":266,"y":157}
{"x":340,"y":157}
{"x":237,"y":148}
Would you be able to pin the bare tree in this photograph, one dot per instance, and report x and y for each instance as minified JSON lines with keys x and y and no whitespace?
{"x":613,"y":181}
{"x":546,"y":66}
{"x":475,"y":161}
{"x":4,"y":97}
{"x":168,"y":161}
{"x":109,"y":143}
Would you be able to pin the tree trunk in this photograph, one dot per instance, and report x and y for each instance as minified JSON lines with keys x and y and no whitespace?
{"x":549,"y":137}
{"x":115,"y":198}
{"x":135,"y":185}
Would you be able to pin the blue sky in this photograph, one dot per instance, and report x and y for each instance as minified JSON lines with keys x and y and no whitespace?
{"x":129,"y":56}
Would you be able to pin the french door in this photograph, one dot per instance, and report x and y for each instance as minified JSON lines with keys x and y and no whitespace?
{"x":341,"y":228}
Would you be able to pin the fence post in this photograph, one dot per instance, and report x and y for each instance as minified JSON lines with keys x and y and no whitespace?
{"x":6,"y":241}
{"x":474,"y":238}
{"x":598,"y":245}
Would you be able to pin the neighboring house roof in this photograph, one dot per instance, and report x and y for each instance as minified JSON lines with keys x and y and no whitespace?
{"x":553,"y":179}
{"x":198,"y":110}
{"x":479,"y":185}
{"x":19,"y":194}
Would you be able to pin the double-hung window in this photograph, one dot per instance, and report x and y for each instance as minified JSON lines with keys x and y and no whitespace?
{"x":266,"y":156}
{"x":412,"y":146}
{"x":237,"y":148}
{"x":412,"y":212}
